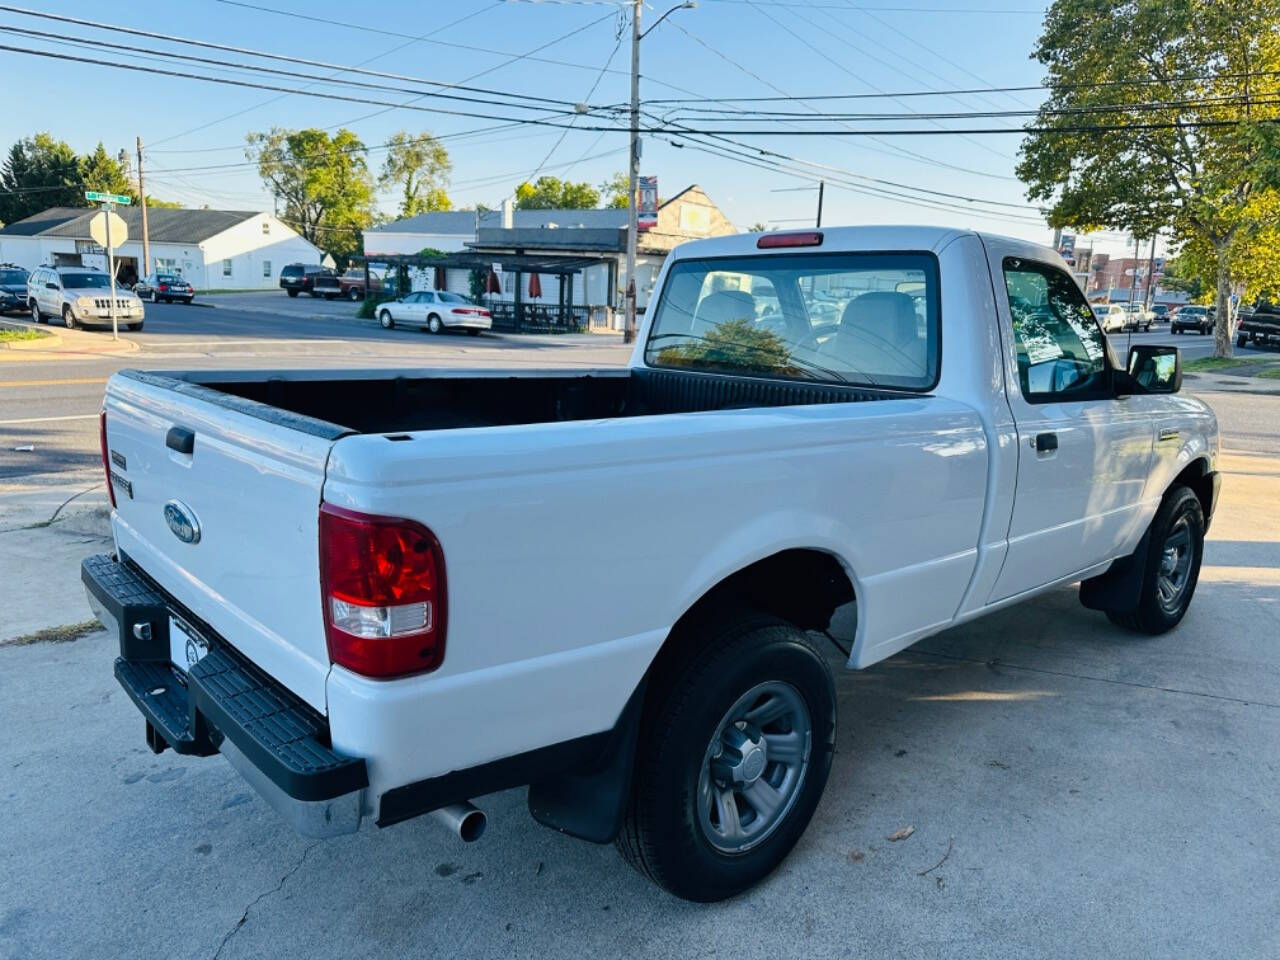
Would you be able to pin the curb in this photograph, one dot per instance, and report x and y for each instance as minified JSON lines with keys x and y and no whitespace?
{"x":54,"y":346}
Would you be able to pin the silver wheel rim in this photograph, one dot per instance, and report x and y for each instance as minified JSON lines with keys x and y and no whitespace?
{"x":1175,"y":565}
{"x":386,"y":320}
{"x":754,"y":767}
{"x":433,"y":325}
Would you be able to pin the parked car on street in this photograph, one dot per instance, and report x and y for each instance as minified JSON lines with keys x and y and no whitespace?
{"x":1115,"y":319}
{"x":81,"y":297}
{"x":435,"y":311}
{"x":1100,"y":311}
{"x":1160,"y":312}
{"x":299,"y":278}
{"x":164,"y":286}
{"x":353,"y":283}
{"x":382,"y":593}
{"x":13,"y":288}
{"x":1192,"y":317}
{"x":1258,"y":325}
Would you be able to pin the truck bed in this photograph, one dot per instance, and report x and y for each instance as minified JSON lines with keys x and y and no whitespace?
{"x":323,"y":404}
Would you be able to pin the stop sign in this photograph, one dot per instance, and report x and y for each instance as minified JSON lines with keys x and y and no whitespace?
{"x":98,"y":229}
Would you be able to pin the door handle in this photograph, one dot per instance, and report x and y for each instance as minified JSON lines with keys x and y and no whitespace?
{"x":180,"y":439}
{"x":1045,"y":442}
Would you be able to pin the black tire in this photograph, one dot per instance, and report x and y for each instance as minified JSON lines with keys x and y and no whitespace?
{"x":434,"y":324}
{"x":1155,"y":614}
{"x":155,"y":298}
{"x":355,"y":293}
{"x":385,"y":319}
{"x":1242,"y":340}
{"x":36,"y":315}
{"x":69,"y":318}
{"x":292,"y":293}
{"x":662,"y":834}
{"x":134,"y":327}
{"x":472,"y":331}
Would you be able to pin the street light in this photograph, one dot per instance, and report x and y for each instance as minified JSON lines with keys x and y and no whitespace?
{"x":633,"y":172}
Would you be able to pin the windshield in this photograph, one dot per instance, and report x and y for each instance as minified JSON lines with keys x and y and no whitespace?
{"x":849,"y":317}
{"x":446,"y":297}
{"x":12,"y":277}
{"x":168,"y":278}
{"x":85,"y":281}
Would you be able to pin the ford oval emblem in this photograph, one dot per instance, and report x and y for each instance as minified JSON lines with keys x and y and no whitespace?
{"x":182,"y":521}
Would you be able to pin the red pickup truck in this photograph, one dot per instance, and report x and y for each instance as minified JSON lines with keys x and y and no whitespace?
{"x":353,"y":283}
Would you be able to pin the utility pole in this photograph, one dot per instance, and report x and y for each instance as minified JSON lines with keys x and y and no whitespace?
{"x":633,"y":175}
{"x":1151,"y":275}
{"x":821,"y":185}
{"x":142,"y":202}
{"x":1133,"y":285}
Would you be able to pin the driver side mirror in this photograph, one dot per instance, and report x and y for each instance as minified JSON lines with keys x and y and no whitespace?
{"x":1151,"y":369}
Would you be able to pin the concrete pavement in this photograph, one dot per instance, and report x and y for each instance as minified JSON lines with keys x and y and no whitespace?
{"x":1076,"y":791}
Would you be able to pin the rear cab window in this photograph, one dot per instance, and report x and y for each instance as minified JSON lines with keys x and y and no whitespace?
{"x":871,"y":319}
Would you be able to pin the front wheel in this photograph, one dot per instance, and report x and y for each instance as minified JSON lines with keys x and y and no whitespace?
{"x":1171,"y":567}
{"x":355,"y":293}
{"x":385,"y":319}
{"x":733,"y":755}
{"x":154,"y":297}
{"x":434,"y":324}
{"x":36,"y":317}
{"x":68,"y":318}
{"x":134,"y":327}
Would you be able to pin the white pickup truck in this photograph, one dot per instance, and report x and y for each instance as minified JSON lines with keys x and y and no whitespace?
{"x":383,"y":593}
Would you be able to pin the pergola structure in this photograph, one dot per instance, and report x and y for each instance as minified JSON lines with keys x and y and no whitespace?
{"x":515,"y":317}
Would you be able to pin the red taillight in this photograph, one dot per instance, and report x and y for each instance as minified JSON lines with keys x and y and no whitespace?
{"x":810,"y":238}
{"x":164,"y":286}
{"x":483,"y":313}
{"x":106,"y":455}
{"x":383,"y":586}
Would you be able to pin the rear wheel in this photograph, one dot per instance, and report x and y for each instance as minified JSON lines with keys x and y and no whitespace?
{"x":385,"y":319}
{"x":734,"y":752}
{"x":292,"y":293}
{"x":1241,"y":340}
{"x":68,"y":317}
{"x":434,"y":324}
{"x":1171,"y":567}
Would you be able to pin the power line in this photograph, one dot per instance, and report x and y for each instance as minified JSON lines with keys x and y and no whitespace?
{"x":362,"y":63}
{"x":302,"y":61}
{"x":891,"y":149}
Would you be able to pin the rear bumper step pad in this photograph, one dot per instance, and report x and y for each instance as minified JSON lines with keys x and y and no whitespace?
{"x":224,"y":695}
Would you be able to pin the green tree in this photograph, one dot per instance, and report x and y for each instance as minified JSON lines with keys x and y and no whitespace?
{"x":736,"y":345}
{"x":552,"y":193}
{"x":323,"y":183}
{"x":1253,"y":261}
{"x":1186,"y":94}
{"x":39,"y":172}
{"x":101,"y":171}
{"x":418,"y":167}
{"x":158,"y":204}
{"x":616,"y":190}
{"x":758,"y":227}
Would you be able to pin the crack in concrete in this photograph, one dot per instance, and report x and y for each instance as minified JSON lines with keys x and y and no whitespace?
{"x":1084,"y":676}
{"x":244,"y":917}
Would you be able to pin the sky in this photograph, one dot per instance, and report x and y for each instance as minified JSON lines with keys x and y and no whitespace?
{"x":571,"y":50}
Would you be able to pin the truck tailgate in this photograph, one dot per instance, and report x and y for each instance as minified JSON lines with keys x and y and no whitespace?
{"x":252,"y":488}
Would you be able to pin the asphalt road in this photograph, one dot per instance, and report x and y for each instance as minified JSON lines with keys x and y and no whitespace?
{"x":1076,"y":791}
{"x":53,"y":406}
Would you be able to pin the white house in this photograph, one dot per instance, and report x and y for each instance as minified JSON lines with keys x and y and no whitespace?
{"x":212,"y":249}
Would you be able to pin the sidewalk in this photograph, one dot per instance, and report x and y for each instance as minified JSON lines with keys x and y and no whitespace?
{"x":60,"y":343}
{"x":48,"y":524}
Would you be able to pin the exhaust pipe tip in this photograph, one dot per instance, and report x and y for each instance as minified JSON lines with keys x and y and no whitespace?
{"x":466,"y":820}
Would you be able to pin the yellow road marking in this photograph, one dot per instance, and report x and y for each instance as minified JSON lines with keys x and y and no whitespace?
{"x":52,"y":383}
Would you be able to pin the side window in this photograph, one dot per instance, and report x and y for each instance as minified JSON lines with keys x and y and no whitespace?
{"x":1062,"y":354}
{"x":427,"y":297}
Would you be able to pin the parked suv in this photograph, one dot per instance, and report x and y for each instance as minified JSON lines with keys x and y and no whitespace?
{"x":299,"y":278}
{"x":1193,"y":317}
{"x":13,"y":288}
{"x":81,"y":296}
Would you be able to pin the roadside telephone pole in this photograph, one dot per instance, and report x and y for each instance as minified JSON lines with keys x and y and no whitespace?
{"x":142,"y":202}
{"x":1151,"y":275}
{"x":633,"y":176}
